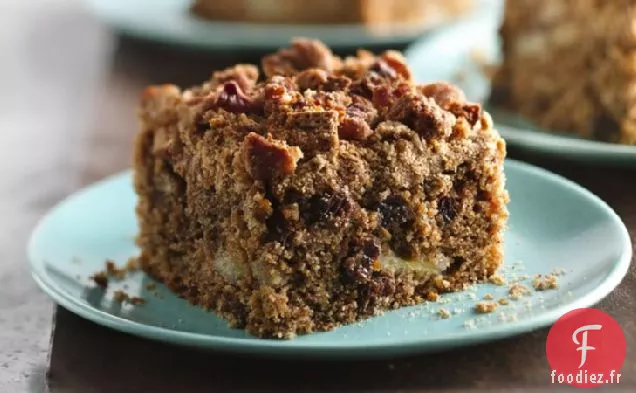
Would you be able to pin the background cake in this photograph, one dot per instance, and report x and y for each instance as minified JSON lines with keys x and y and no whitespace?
{"x":569,"y":65}
{"x":328,"y":191}
{"x":367,"y":12}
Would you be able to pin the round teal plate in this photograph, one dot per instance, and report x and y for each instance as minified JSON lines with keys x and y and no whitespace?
{"x":170,"y":21}
{"x":460,"y":54}
{"x":555,"y":226}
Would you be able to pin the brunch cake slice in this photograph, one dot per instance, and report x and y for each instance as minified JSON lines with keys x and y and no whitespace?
{"x":323,"y":193}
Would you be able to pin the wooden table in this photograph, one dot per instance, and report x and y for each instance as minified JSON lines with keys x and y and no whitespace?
{"x":67,"y":119}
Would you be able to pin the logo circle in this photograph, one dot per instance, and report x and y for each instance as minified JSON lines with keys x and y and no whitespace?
{"x":586,"y":348}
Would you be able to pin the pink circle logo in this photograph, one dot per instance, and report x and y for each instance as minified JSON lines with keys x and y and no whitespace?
{"x":586,"y":348}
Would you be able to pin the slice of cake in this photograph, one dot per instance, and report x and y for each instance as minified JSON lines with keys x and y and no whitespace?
{"x":366,"y":12}
{"x":569,"y":65}
{"x":324,"y":192}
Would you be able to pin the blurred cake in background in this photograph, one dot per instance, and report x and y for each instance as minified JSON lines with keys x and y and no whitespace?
{"x":570,"y":65}
{"x":373,"y":13}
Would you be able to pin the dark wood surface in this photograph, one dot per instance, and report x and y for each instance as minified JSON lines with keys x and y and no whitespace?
{"x":67,"y":119}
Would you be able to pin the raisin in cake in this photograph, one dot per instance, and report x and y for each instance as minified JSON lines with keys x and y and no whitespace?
{"x":325,"y":192}
{"x":367,"y":12}
{"x":569,"y":65}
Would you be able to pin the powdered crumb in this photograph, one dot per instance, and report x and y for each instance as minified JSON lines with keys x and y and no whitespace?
{"x":485,"y":307}
{"x":543,"y":283}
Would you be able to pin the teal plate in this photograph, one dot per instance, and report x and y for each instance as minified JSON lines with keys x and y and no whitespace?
{"x":554,"y":224}
{"x":460,"y":54}
{"x":170,"y":21}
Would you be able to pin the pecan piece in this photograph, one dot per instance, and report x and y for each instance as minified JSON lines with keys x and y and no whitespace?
{"x":303,"y":54}
{"x":234,"y":100}
{"x":266,"y":158}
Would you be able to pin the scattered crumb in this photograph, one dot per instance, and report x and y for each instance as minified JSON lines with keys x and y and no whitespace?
{"x":543,"y":283}
{"x":485,"y":307}
{"x":517,"y":290}
{"x":444,"y":313}
{"x":120,"y":296}
{"x":101,"y":279}
{"x":503,"y":301}
{"x":488,"y":296}
{"x":497,"y":279}
{"x":137,"y":301}
{"x":132,"y":264}
{"x":151,"y":286}
{"x":110,"y":267}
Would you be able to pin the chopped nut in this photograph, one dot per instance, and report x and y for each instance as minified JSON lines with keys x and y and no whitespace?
{"x":265,"y":158}
{"x":485,"y":307}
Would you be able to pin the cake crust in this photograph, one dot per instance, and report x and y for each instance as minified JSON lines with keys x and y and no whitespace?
{"x":328,"y":191}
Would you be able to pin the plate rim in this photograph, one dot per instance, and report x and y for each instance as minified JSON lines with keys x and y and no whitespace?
{"x":384,"y":346}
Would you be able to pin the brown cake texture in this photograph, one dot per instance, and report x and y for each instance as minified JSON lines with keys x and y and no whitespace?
{"x":569,"y":66}
{"x":327,"y":12}
{"x":325,"y":192}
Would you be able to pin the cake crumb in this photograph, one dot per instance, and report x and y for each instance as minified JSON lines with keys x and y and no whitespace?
{"x":485,"y":307}
{"x":444,"y":313}
{"x":503,"y":301}
{"x":543,"y":283}
{"x":488,"y":296}
{"x":496,"y":279}
{"x":120,"y":296}
{"x":132,"y":264}
{"x":516,"y":291}
{"x":432,"y":296}
{"x":101,"y":279}
{"x":151,"y":286}
{"x":137,"y":301}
